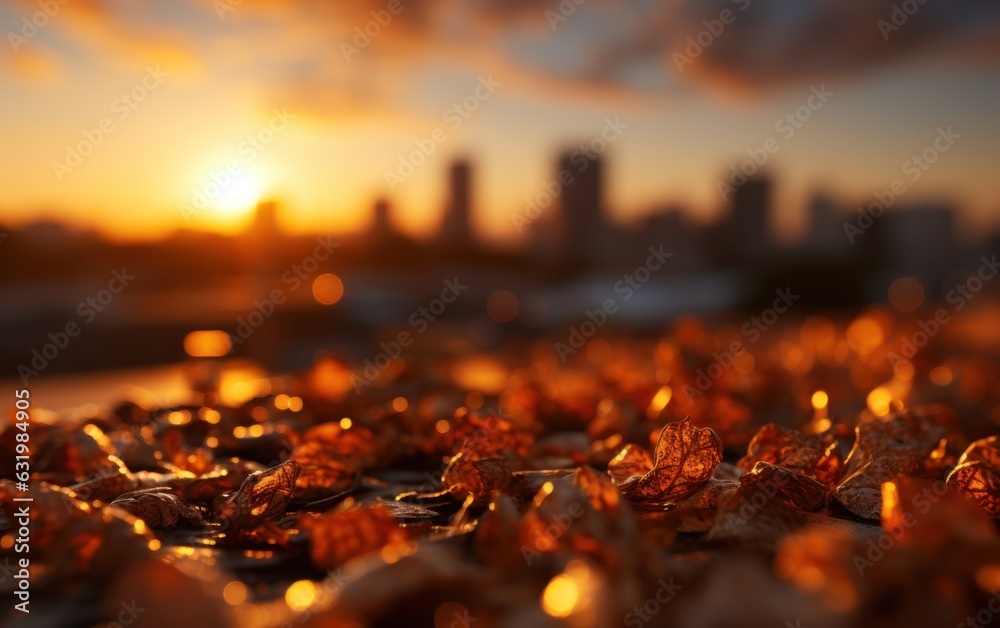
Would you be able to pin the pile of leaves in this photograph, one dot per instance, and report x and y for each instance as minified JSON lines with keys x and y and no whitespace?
{"x":456,"y":508}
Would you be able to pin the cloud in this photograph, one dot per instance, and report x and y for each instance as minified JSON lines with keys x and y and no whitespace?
{"x":624,"y":50}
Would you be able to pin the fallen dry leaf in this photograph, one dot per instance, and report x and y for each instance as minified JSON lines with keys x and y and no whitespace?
{"x":811,"y":455}
{"x":883,"y":450}
{"x":683,"y":461}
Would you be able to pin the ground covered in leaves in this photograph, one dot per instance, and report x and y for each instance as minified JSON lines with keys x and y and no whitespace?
{"x":457,"y":492}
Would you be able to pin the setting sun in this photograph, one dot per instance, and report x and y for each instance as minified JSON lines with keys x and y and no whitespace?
{"x":239,"y":197}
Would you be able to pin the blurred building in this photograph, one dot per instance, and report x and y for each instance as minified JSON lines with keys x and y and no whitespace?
{"x":456,"y":228}
{"x":265,"y":222}
{"x":381,"y":230}
{"x":825,"y":237}
{"x":749,"y":221}
{"x":919,"y":240}
{"x":587,"y":232}
{"x":668,"y":226}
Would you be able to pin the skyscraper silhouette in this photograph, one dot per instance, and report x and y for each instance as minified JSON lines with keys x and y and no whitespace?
{"x":381,"y":223}
{"x":456,"y":227}
{"x":583,"y":205}
{"x":749,"y":220}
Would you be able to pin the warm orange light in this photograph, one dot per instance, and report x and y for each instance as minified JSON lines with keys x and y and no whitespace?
{"x":660,"y":401}
{"x":300,"y":595}
{"x":235,"y":593}
{"x":345,"y":423}
{"x":820,"y":399}
{"x":878,"y":401}
{"x":560,"y":596}
{"x":327,"y":289}
{"x":442,"y":426}
{"x":207,"y":344}
{"x":864,"y":335}
{"x":941,"y":375}
{"x":399,"y":404}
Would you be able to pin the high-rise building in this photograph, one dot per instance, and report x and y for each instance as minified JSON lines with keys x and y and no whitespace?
{"x":456,"y":227}
{"x":587,"y":231}
{"x":749,"y":220}
{"x":381,"y":221}
{"x":266,"y":219}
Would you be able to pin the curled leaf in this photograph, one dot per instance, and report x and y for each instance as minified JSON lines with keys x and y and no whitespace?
{"x":262,"y":496}
{"x":158,"y":508}
{"x":811,"y":455}
{"x":323,"y":472}
{"x":884,"y":450}
{"x":977,"y":474}
{"x":683,"y":461}
{"x":466,"y":476}
{"x":798,"y":490}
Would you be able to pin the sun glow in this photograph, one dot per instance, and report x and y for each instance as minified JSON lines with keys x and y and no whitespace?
{"x":239,"y":197}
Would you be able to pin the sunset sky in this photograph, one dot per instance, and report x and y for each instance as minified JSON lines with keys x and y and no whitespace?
{"x":226,"y":67}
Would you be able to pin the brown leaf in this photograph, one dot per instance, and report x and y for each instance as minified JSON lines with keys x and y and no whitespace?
{"x":599,"y":489}
{"x":632,"y":461}
{"x":158,"y":508}
{"x":487,"y":437}
{"x":798,"y":490}
{"x":336,"y":537}
{"x":811,"y":455}
{"x":356,"y":445}
{"x":323,"y":472}
{"x":684,"y":459}
{"x":979,"y":482}
{"x":465,"y":476}
{"x":985,"y":450}
{"x":697,"y":512}
{"x":884,"y":450}
{"x":262,"y":496}
{"x":977,"y":474}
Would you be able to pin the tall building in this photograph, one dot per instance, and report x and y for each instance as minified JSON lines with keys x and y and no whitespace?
{"x":587,"y":231}
{"x":456,"y":229}
{"x":266,"y":219}
{"x":749,"y":220}
{"x":381,"y":223}
{"x":825,"y":235}
{"x":919,"y":240}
